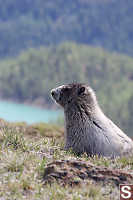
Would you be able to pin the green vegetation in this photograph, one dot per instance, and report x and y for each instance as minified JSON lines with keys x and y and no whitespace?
{"x":32,"y":23}
{"x":23,"y":157}
{"x":31,"y":76}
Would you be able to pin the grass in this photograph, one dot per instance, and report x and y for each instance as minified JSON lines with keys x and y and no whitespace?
{"x":24,"y":153}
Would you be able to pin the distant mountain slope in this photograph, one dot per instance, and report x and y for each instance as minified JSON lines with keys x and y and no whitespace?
{"x":31,"y":23}
{"x":30,"y":76}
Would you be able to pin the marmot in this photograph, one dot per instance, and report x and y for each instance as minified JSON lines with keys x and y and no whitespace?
{"x":87,"y":128}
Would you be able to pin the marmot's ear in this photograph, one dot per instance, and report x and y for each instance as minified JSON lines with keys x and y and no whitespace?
{"x":81,"y":90}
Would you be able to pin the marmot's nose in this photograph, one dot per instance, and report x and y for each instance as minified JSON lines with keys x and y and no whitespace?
{"x":53,"y":92}
{"x":56,"y":93}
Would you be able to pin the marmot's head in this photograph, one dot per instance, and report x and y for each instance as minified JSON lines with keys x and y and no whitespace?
{"x":75,"y":93}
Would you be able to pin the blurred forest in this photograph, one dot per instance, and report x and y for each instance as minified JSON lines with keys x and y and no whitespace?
{"x":44,"y":44}
{"x":31,"y":23}
{"x":32,"y":74}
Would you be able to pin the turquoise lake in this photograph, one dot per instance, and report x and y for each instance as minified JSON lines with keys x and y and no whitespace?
{"x":15,"y":112}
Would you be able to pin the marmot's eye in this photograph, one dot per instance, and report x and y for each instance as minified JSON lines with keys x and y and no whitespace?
{"x":81,"y":90}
